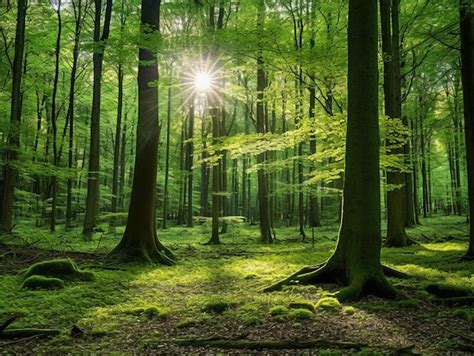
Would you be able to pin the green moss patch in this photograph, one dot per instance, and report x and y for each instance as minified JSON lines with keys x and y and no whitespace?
{"x":328,"y":303}
{"x":302,"y":305}
{"x":300,"y":314}
{"x":64,"y":269}
{"x":42,"y":282}
{"x":279,"y":310}
{"x":150,"y":311}
{"x":216,"y":306}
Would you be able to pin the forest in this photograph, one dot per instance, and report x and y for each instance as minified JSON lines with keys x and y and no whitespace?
{"x":237,"y":177}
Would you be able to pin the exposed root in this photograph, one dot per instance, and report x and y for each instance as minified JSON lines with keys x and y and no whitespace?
{"x":331,"y":273}
{"x":140,"y":255}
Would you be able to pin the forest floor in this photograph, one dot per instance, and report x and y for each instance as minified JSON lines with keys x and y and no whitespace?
{"x":212,"y":298}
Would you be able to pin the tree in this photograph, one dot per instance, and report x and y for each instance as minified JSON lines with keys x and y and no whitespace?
{"x":139,"y":241}
{"x":396,"y":211}
{"x":467,"y":72}
{"x":356,"y":260}
{"x":6,"y":213}
{"x":265,"y":222}
{"x":93,"y":182}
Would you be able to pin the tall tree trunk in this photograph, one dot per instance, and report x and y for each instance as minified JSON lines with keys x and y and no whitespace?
{"x":117,"y":145}
{"x":54,"y":127}
{"x":189,"y":163}
{"x":265,"y":222}
{"x":356,"y":260}
{"x":93,"y":182}
{"x":396,"y":207}
{"x":167,"y":160}
{"x":78,"y":16}
{"x":13,"y":140}
{"x":467,"y":63}
{"x":139,"y":241}
{"x":216,"y":178}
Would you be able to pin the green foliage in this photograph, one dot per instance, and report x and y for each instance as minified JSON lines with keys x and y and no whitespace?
{"x":348,"y":310}
{"x":302,"y":305}
{"x":65,"y":269}
{"x":42,"y":282}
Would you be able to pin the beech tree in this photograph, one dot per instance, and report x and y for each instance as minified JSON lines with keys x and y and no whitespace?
{"x":356,"y":261}
{"x":140,"y":241}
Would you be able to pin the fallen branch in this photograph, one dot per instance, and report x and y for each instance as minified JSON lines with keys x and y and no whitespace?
{"x":28,"y":332}
{"x":265,"y":344}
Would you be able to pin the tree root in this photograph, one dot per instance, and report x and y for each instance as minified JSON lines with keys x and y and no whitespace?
{"x":140,"y":255}
{"x":266,"y":344}
{"x":325,"y":273}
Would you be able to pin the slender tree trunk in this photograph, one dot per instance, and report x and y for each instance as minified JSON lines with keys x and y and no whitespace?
{"x":13,"y":139}
{"x":140,"y":242}
{"x":189,"y":160}
{"x":467,"y":60}
{"x":396,"y":207}
{"x":167,"y":160}
{"x":265,"y":222}
{"x":216,"y":178}
{"x":54,"y":113}
{"x":78,"y":14}
{"x":123,"y":151}
{"x":93,"y":182}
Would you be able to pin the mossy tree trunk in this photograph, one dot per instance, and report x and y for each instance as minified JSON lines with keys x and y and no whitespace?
{"x":140,"y":242}
{"x":396,"y":207}
{"x":13,"y":139}
{"x":467,"y":64}
{"x":356,"y":260}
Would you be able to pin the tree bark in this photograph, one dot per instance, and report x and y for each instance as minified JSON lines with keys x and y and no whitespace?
{"x":265,"y":222}
{"x":13,"y":139}
{"x":396,"y":207}
{"x":93,"y":182}
{"x":140,"y":242}
{"x":356,"y":261}
{"x":467,"y":64}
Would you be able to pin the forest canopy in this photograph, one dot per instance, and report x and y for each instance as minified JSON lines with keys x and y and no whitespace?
{"x":324,"y":141}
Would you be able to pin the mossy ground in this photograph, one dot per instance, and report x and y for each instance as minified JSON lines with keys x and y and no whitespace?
{"x":130,"y":308}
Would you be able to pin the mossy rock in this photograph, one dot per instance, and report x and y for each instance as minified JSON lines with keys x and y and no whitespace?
{"x":42,"y":282}
{"x":279,"y":310}
{"x":217,"y":307}
{"x":302,"y":305}
{"x":64,"y":269}
{"x":300,"y":314}
{"x":445,"y":290}
{"x":328,"y":303}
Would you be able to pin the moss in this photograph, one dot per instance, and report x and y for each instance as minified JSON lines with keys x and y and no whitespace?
{"x":279,"y":310}
{"x":251,"y":276}
{"x":99,"y":332}
{"x":302,"y":305}
{"x":217,"y":306}
{"x":408,"y":303}
{"x":464,"y":314}
{"x":349,"y":310}
{"x":187,"y":323}
{"x":42,"y":282}
{"x":150,"y":311}
{"x":328,"y":303}
{"x":447,"y":290}
{"x":300,"y":314}
{"x":64,"y":269}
